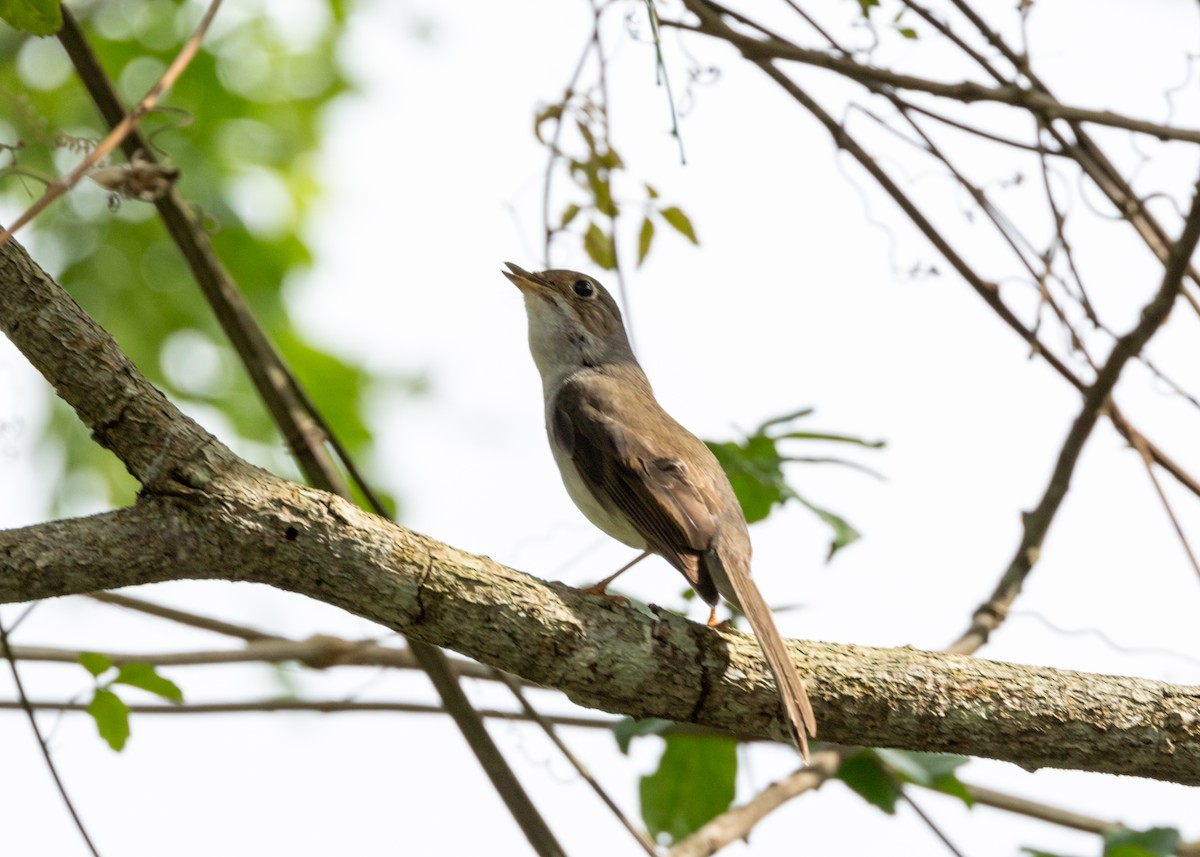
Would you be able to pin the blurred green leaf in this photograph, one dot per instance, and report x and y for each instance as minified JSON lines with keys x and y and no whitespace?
{"x":39,"y":17}
{"x":628,"y":728}
{"x":693,"y":784}
{"x":144,"y":676}
{"x":682,"y":223}
{"x":907,"y":32}
{"x":645,"y":236}
{"x":95,"y":663}
{"x":932,"y":770}
{"x":877,"y":775}
{"x":111,"y":716}
{"x":549,"y":113}
{"x":843,"y":533}
{"x":254,"y":106}
{"x":755,"y":470}
{"x":866,"y":6}
{"x":836,"y":438}
{"x":598,"y":184}
{"x":1034,"y":852}
{"x":569,"y":214}
{"x":600,"y":247}
{"x":866,"y":775}
{"x":1155,"y":842}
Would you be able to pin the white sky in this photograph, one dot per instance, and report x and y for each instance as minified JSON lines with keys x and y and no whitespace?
{"x":797,"y":296}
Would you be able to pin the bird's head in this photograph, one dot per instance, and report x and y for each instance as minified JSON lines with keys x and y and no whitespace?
{"x":573,"y":322}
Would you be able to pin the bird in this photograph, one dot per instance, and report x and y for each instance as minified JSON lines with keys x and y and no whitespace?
{"x":636,"y":473}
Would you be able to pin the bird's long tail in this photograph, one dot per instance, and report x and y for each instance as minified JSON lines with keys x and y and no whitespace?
{"x":787,"y":678}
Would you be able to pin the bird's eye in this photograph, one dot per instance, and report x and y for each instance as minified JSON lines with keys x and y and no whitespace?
{"x":584,"y":289}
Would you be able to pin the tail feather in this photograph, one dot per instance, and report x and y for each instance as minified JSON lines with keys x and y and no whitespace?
{"x":787,"y":678}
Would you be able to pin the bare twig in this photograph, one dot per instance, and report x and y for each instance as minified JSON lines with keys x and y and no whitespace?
{"x":206,"y":623}
{"x":122,"y":128}
{"x":968,"y":92}
{"x":1140,"y":445}
{"x":28,"y":707}
{"x":1037,"y":523}
{"x":547,"y":725}
{"x":316,"y":706}
{"x":937,"y":831}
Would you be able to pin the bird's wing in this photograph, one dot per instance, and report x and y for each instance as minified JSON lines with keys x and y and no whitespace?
{"x":654,"y":488}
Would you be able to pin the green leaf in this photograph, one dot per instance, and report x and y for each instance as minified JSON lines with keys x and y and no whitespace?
{"x":627,"y":728}
{"x":682,"y":223}
{"x":551,"y":112}
{"x":837,"y":438}
{"x":755,"y":471}
{"x":569,"y":214}
{"x":600,"y":247}
{"x":866,"y":775}
{"x":601,"y":190}
{"x":933,"y":770}
{"x":785,"y":418}
{"x":843,"y":533}
{"x":112,"y":718}
{"x":1034,"y":852}
{"x":693,"y":784}
{"x":1155,"y":842}
{"x":145,"y":677}
{"x":651,"y":192}
{"x":95,"y":663}
{"x":866,"y":6}
{"x":907,"y":32}
{"x":40,"y":17}
{"x":644,"y":239}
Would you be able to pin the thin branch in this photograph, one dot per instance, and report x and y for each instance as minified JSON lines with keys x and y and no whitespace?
{"x":547,"y":726}
{"x":968,"y":92}
{"x":1140,"y":446}
{"x":205,"y":623}
{"x":1089,"y":156}
{"x":26,"y":706}
{"x":316,"y":706}
{"x":1052,"y":814}
{"x":937,"y":831}
{"x":122,"y":128}
{"x":1037,"y":523}
{"x":555,"y":153}
{"x":735,"y":824}
{"x":713,"y":26}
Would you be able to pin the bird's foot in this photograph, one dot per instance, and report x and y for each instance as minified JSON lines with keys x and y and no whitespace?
{"x":713,"y":623}
{"x":601,"y":589}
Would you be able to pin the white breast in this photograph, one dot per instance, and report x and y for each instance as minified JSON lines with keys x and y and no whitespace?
{"x":614,"y":524}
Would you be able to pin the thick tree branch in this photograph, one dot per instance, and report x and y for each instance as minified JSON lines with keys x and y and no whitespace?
{"x":652,"y":664}
{"x":241,"y":523}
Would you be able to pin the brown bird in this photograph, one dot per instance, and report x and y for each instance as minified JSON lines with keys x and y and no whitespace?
{"x":634,"y":472}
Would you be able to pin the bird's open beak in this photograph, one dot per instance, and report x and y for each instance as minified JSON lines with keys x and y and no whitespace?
{"x":524,"y":280}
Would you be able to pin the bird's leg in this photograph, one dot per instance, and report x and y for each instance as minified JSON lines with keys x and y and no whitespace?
{"x":601,"y":587}
{"x":724,"y":624}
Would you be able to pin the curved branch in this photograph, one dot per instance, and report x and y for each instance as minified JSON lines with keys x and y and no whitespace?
{"x":240,"y":523}
{"x":653,"y":664}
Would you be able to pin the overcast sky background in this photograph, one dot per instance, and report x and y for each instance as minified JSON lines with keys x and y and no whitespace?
{"x":798,"y":296}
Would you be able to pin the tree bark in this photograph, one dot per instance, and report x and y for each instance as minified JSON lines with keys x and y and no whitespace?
{"x":205,"y":514}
